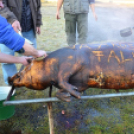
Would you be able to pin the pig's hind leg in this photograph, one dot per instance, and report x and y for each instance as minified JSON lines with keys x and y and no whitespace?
{"x":63,"y":95}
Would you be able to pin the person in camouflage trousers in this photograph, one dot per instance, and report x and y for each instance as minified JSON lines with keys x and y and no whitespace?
{"x":76,"y":17}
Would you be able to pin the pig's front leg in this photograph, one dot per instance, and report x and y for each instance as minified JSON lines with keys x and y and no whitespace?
{"x":66,"y":70}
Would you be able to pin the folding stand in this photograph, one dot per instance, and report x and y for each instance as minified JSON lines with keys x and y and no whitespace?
{"x":55,"y":99}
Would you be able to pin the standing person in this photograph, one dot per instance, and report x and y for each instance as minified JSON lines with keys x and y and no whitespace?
{"x":15,"y":42}
{"x":24,"y":16}
{"x":76,"y":17}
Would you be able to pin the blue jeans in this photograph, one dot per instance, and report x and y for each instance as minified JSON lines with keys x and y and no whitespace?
{"x":10,"y":69}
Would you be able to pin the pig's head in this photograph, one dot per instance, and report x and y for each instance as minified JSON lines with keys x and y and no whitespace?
{"x":34,"y":76}
{"x":20,"y":79}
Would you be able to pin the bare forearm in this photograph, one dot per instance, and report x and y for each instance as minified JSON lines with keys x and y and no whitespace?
{"x":30,"y":50}
{"x":92,"y":6}
{"x":59,"y":4}
{"x":10,"y":59}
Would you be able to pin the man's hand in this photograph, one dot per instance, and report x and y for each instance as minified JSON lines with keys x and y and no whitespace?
{"x":38,"y":30}
{"x":92,"y":6}
{"x":24,"y":60}
{"x":95,"y":16}
{"x":16,"y":26}
{"x":57,"y":15}
{"x":41,"y":53}
{"x":59,"y":4}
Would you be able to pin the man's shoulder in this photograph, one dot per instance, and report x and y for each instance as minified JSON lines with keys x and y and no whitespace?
{"x":12,"y":2}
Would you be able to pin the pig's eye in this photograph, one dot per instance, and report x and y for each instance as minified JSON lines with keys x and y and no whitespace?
{"x":18,"y":75}
{"x":28,"y":68}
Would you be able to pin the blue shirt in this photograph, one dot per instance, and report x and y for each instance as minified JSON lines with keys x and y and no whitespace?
{"x":9,"y":37}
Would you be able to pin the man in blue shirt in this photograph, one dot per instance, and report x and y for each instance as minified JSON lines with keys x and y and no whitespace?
{"x":24,"y":16}
{"x":15,"y":42}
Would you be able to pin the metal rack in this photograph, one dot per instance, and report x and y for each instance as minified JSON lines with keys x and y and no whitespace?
{"x":55,"y":99}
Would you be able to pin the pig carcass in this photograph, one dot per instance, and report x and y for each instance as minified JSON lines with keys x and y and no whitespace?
{"x":75,"y":69}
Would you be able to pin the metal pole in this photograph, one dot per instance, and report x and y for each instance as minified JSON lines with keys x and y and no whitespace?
{"x":50,"y":114}
{"x":10,"y":93}
{"x":55,"y":99}
{"x":28,"y":101}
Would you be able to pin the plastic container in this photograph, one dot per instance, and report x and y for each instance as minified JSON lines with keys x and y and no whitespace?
{"x":6,"y":111}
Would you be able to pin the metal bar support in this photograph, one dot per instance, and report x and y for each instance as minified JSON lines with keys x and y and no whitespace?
{"x":50,"y":114}
{"x":55,"y":99}
{"x":10,"y":93}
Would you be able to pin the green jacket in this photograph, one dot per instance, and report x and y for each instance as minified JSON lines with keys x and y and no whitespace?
{"x":76,"y":6}
{"x":12,"y":11}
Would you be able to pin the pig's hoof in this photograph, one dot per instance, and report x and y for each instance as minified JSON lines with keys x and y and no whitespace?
{"x":77,"y":95}
{"x":63,"y":95}
{"x":75,"y":92}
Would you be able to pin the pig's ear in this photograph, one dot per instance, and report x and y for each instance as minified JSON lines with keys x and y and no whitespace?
{"x":29,"y":60}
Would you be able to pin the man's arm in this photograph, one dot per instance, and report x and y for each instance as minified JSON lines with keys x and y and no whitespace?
{"x":39,"y":17}
{"x":14,"y":41}
{"x":6,"y":13}
{"x":92,"y":6}
{"x":59,"y":4}
{"x":4,"y":58}
{"x":10,"y":16}
{"x":31,"y":51}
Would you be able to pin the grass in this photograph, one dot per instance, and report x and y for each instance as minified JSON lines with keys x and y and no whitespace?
{"x":100,"y":116}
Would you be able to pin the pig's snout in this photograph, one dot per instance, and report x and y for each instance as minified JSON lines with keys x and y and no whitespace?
{"x":10,"y":82}
{"x":14,"y":78}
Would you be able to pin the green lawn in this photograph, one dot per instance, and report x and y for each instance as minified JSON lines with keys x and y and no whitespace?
{"x":102,"y":116}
